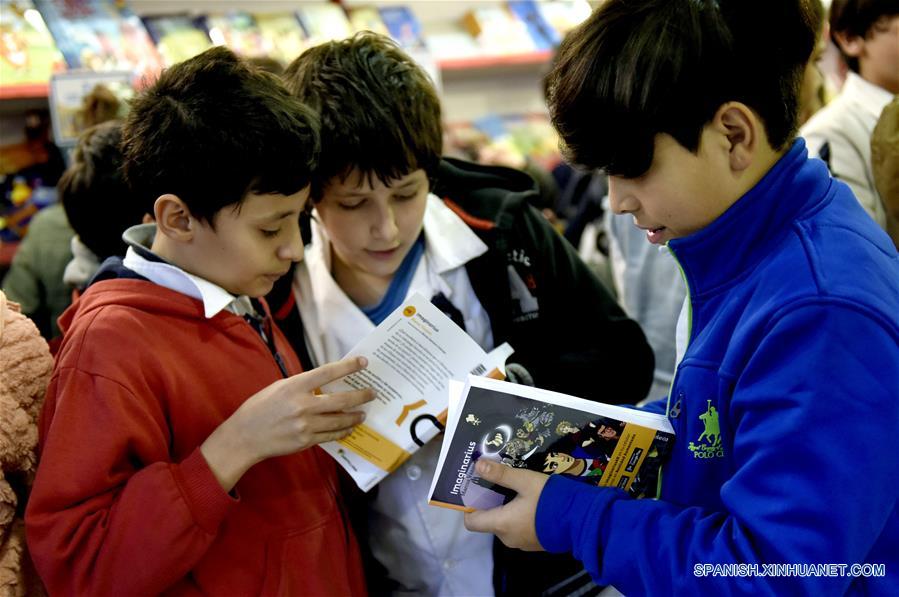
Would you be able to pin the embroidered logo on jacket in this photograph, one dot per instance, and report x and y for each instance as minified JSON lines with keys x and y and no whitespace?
{"x":708,"y":444}
{"x":525,"y":305}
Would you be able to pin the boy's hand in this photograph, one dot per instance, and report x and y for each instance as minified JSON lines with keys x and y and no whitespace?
{"x":513,"y":523}
{"x":284,"y":418}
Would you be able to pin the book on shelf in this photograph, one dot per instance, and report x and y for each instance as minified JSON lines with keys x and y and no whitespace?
{"x":548,"y":432}
{"x":177,"y":36}
{"x":236,"y":30}
{"x":100,"y":35}
{"x":545,"y":36}
{"x":404,"y":27}
{"x":28,"y":55}
{"x":564,"y":15}
{"x":323,"y":21}
{"x":367,"y":18}
{"x":282,"y":35}
{"x":498,"y":31}
{"x":411,"y":355}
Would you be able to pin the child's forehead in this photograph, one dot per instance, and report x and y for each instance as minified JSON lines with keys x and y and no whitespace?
{"x":357,"y":180}
{"x":271,"y":205}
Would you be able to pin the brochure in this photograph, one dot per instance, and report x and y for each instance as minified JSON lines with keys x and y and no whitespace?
{"x":548,"y":432}
{"x":412,"y":355}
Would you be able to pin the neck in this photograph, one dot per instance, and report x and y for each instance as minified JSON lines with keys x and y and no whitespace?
{"x":362,"y":288}
{"x":765,"y":160}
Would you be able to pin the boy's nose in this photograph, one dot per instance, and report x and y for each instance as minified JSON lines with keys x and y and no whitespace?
{"x":293,"y":250}
{"x":385,"y":227}
{"x":621,"y":199}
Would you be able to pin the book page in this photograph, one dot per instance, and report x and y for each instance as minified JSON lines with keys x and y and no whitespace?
{"x":548,"y":432}
{"x":412,"y":355}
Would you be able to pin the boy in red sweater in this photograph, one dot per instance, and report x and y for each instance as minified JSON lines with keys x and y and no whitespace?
{"x":178,"y":437}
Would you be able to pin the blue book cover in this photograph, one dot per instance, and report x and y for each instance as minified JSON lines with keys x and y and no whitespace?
{"x":403,"y":26}
{"x":545,"y":36}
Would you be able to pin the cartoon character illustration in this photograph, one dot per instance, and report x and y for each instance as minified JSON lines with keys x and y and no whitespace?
{"x":560,"y":463}
{"x":496,"y":441}
{"x":472,"y":419}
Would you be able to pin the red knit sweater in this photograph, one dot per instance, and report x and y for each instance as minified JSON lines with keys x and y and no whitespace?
{"x":125,"y":504}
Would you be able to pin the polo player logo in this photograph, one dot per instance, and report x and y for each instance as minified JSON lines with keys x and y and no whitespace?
{"x":708,"y":444}
{"x":710,"y":419}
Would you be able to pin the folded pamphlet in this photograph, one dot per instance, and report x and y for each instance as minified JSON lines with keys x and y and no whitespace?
{"x":412,"y":355}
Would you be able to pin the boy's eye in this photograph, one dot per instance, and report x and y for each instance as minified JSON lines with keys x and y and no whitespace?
{"x":270,"y":233}
{"x":405,"y":197}
{"x":352,"y":205}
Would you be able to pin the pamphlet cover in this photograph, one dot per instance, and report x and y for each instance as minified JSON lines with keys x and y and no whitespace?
{"x":100,"y":35}
{"x":412,"y":355}
{"x":548,"y":432}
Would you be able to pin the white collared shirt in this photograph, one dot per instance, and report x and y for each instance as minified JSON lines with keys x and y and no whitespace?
{"x":425,"y":548}
{"x":214,"y":298}
{"x":846,"y":125}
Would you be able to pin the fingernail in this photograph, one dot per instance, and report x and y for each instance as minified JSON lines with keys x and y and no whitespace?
{"x":363,"y":362}
{"x":482,"y":466}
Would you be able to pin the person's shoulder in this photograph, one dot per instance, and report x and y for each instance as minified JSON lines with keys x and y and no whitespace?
{"x":837,"y":122}
{"x":849,"y":256}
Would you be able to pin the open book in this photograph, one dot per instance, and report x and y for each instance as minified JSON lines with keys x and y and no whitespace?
{"x":411,"y":355}
{"x":525,"y":427}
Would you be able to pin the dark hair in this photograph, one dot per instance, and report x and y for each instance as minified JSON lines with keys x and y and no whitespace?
{"x":93,"y":192}
{"x":213,"y":129}
{"x":379,"y":111}
{"x":856,"y":17}
{"x":100,"y":105}
{"x":637,"y":69}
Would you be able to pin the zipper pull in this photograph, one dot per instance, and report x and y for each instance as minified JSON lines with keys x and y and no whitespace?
{"x":674,"y":411}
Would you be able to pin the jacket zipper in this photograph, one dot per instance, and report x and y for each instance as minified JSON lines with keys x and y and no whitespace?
{"x":675,"y":411}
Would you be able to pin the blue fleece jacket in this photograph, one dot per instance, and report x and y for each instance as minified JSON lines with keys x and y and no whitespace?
{"x":786,"y":408}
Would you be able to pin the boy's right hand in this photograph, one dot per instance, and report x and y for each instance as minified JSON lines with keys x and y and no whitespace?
{"x":284,"y":418}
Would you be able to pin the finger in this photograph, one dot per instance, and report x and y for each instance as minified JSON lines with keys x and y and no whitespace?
{"x":331,"y":436}
{"x":327,"y":373}
{"x":336,"y":422}
{"x":343,"y":401}
{"x":483,"y":521}
{"x":516,"y":479}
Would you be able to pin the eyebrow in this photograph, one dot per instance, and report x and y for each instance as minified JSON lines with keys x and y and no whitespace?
{"x":279,"y":216}
{"x":402,"y":187}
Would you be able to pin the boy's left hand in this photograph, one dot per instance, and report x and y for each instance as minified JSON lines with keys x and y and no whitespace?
{"x":513,"y":523}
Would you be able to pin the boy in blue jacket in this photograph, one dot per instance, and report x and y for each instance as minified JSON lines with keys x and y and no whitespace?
{"x":784,"y":400}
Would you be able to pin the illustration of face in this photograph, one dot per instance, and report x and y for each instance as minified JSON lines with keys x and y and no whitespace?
{"x":565,"y":428}
{"x":557,"y":463}
{"x":607,"y":432}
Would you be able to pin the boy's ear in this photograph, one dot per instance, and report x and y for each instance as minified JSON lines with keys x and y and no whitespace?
{"x":741,"y":128}
{"x":173,"y":219}
{"x":852,"y":45}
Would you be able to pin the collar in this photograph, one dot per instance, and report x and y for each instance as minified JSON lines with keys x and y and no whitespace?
{"x":713,"y":258}
{"x":141,"y":260}
{"x":870,"y":97}
{"x":450,"y":242}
